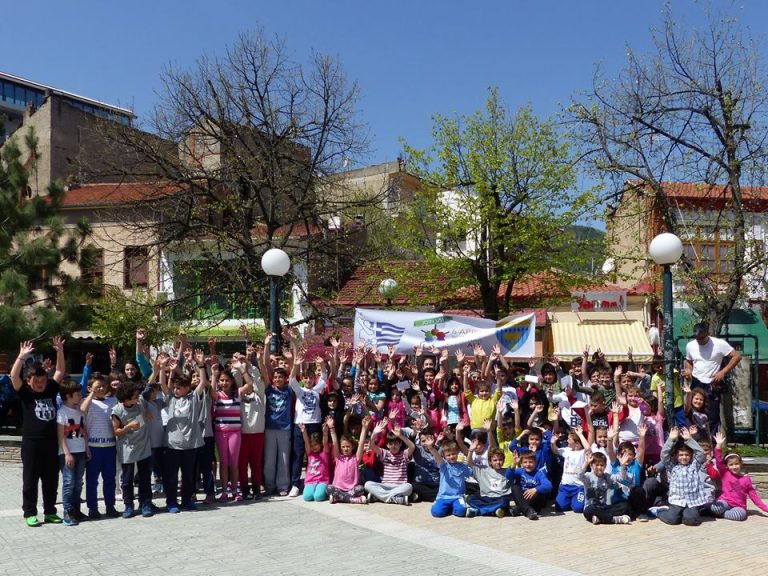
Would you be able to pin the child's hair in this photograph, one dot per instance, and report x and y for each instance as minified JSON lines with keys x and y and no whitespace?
{"x":599,"y":457}
{"x":731,"y":456}
{"x":626,"y":445}
{"x":96,"y":377}
{"x":632,"y":389}
{"x":347,"y":381}
{"x":354,"y":421}
{"x":184,"y":380}
{"x":452,"y":380}
{"x":681,"y":447}
{"x":481,"y":436}
{"x":576,"y":361}
{"x":701,"y":392}
{"x":348,"y":438}
{"x":126,"y":390}
{"x":117,"y":376}
{"x":450,"y":445}
{"x":135,"y":364}
{"x":315,"y":438}
{"x":527,"y":455}
{"x":483,"y":386}
{"x":603,"y":370}
{"x":575,"y":437}
{"x":597,"y":396}
{"x":282,"y":371}
{"x":495,"y":452}
{"x":430,"y":370}
{"x":68,"y":388}
{"x":705,"y":445}
{"x":392,"y":438}
{"x":535,"y":432}
{"x":547,"y":368}
{"x":229,"y":374}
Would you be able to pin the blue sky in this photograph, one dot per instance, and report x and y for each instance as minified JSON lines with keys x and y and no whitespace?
{"x":411,"y":59}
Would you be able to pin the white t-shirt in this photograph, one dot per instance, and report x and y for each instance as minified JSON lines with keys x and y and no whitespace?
{"x":73,"y":421}
{"x":707,"y":359}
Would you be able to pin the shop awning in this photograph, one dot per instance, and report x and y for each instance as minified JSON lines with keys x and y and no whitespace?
{"x":613,"y":338}
{"x":741,"y":322}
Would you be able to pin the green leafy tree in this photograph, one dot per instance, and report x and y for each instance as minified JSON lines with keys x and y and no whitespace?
{"x":37,"y":295}
{"x":497,"y":203}
{"x":694,"y":110}
{"x":118,"y":316}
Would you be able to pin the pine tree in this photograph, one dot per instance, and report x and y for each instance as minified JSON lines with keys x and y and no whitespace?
{"x":37,"y":297}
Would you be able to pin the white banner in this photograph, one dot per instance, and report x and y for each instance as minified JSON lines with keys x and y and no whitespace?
{"x":405,"y":330}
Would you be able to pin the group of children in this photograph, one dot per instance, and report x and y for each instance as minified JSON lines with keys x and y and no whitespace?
{"x":483,"y":437}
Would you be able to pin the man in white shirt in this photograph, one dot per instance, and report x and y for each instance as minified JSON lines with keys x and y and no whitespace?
{"x":704,"y":357}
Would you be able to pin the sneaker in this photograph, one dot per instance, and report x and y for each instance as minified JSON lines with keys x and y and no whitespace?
{"x":32,"y":521}
{"x":622,"y":519}
{"x":595,"y":520}
{"x":643,"y":518}
{"x":654,"y":510}
{"x":402,"y":500}
{"x":112,"y":512}
{"x":370,"y":498}
{"x":470,"y":513}
{"x":238,"y":497}
{"x":332,"y":498}
{"x":52,"y":519}
{"x":146,"y":511}
{"x":157,"y":488}
{"x":415,"y":497}
{"x":500,"y":513}
{"x":79,"y":516}
{"x":209,"y":499}
{"x":94,"y":514}
{"x":248,"y":496}
{"x":257,"y":495}
{"x":514,"y":511}
{"x":189,"y":507}
{"x":283,"y":493}
{"x":532,"y":515}
{"x":359,"y":500}
{"x":128,"y":512}
{"x":223,"y":498}
{"x":69,"y":520}
{"x":294,"y":492}
{"x":173,"y":509}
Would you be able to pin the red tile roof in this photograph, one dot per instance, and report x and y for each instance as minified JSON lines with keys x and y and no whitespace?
{"x":717,"y":193}
{"x":542,"y":318}
{"x":362,"y":288}
{"x":115,"y":194}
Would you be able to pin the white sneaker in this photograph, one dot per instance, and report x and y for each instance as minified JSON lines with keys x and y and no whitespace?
{"x":294,"y":492}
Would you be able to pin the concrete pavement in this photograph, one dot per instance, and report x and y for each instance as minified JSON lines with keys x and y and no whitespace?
{"x":289,"y":537}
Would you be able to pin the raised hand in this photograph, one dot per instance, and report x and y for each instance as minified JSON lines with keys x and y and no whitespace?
{"x":674,"y":433}
{"x":625,"y":458}
{"x":686,"y":433}
{"x":488,"y":424}
{"x":629,"y":352}
{"x":615,"y":407}
{"x":199,"y":356}
{"x":642,"y":430}
{"x":25,"y":349}
{"x":393,"y":414}
{"x":303,"y":428}
{"x":367,"y":422}
{"x":58,"y":343}
{"x":380,"y":427}
{"x":141,"y":333}
{"x":428,"y":442}
{"x":478,"y":349}
{"x":444,"y":355}
{"x":112,"y":356}
{"x":618,"y":371}
{"x":330,"y":422}
{"x":720,"y":440}
{"x":586,"y":350}
{"x":531,"y":363}
{"x":459,"y":356}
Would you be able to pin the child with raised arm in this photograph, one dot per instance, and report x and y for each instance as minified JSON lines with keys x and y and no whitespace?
{"x":570,"y":495}
{"x":394,"y":487}
{"x":483,"y":405}
{"x":347,"y":455}
{"x":687,"y":494}
{"x":317,"y":476}
{"x":39,"y":446}
{"x":184,"y":433}
{"x":602,"y":504}
{"x":97,"y":407}
{"x":73,"y":450}
{"x":530,"y":487}
{"x":495,"y":488}
{"x":732,"y":503}
{"x":252,"y":415}
{"x":134,"y":450}
{"x":453,"y":474}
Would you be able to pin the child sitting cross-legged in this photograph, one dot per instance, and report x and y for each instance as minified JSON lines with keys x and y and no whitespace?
{"x":530,"y":487}
{"x":394,"y":487}
{"x":687,"y":493}
{"x":495,"y":487}
{"x":453,"y":474}
{"x":601,"y":504}
{"x":347,"y":455}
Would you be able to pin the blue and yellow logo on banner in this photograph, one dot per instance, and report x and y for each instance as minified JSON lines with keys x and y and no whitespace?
{"x":513,"y":336}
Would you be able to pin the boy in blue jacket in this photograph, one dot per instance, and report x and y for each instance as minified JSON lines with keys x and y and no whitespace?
{"x":530,"y":487}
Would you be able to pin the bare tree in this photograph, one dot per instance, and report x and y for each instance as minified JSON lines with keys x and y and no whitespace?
{"x":244,"y":143}
{"x":692,"y":111}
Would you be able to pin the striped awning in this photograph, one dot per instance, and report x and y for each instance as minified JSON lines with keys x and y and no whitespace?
{"x":613,"y":338}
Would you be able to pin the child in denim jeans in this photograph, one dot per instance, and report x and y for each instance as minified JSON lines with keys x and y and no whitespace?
{"x":73,"y":450}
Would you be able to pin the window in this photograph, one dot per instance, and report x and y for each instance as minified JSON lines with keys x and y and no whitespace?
{"x":136,"y":267}
{"x":92,"y":274}
{"x":711,"y":253}
{"x":40,"y":279}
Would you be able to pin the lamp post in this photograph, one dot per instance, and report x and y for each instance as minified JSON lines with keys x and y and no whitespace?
{"x":666,"y":249}
{"x":388,"y":288}
{"x":275,"y":264}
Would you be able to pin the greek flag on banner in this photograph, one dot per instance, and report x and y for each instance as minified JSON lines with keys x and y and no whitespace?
{"x":388,"y":334}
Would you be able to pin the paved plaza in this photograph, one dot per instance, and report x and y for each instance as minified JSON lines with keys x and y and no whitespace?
{"x":287,"y":536}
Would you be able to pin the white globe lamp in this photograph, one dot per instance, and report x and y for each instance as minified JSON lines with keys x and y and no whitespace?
{"x":665,"y":248}
{"x":388,"y":287}
{"x":275,"y":262}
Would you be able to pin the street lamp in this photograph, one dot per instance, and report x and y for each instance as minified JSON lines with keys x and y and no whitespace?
{"x":275,"y":264}
{"x":666,"y":249}
{"x":388,"y":289}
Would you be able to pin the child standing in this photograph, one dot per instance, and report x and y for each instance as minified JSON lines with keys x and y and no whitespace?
{"x":39,"y":446}
{"x":346,"y":471}
{"x":97,"y":407}
{"x":134,"y":449}
{"x":394,"y":487}
{"x":687,"y":494}
{"x":732,"y":504}
{"x":277,"y":434}
{"x":252,"y":414}
{"x":73,"y":450}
